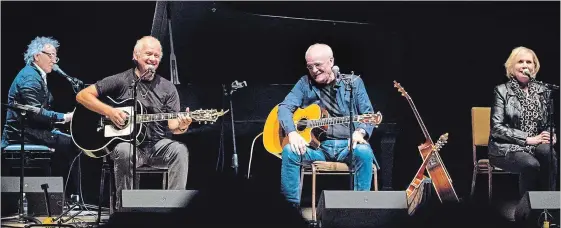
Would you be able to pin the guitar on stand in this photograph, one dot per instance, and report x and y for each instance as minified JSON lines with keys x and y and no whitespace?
{"x":92,"y":132}
{"x":431,"y":162}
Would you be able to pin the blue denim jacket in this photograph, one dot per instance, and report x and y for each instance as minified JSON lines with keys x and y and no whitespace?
{"x":305,"y":93}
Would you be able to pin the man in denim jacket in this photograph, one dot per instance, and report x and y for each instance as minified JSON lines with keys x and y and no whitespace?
{"x":322,"y":87}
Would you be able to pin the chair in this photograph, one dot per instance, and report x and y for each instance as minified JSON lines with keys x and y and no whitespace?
{"x":328,"y":168}
{"x":107,"y":170}
{"x":480,"y":130}
{"x":36,"y":157}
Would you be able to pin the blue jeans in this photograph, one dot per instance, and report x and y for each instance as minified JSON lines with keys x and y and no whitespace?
{"x":329,"y":150}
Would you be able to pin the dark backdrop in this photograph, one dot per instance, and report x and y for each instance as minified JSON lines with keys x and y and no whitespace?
{"x":448,"y":56}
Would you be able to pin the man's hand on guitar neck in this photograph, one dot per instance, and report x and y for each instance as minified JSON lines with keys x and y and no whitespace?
{"x":297,"y":143}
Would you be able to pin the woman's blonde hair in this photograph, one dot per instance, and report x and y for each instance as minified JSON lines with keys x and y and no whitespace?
{"x":513,"y":59}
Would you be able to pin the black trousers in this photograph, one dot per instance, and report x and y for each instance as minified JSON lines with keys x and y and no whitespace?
{"x":65,"y":153}
{"x":536,"y":173}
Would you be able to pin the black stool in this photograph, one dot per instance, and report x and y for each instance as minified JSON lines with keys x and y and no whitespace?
{"x":106,"y":170}
{"x":150,"y":169}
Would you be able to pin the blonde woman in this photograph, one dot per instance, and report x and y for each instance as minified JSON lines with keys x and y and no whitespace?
{"x":519,"y":140}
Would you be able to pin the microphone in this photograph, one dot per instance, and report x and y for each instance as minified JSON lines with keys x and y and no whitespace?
{"x":335,"y":70}
{"x":151,"y":68}
{"x":527,"y":73}
{"x":58,"y":70}
{"x":68,"y":77}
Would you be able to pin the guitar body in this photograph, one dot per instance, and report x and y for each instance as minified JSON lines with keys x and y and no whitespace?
{"x":274,"y":137}
{"x":438,"y":174}
{"x":92,"y":132}
{"x":311,"y":123}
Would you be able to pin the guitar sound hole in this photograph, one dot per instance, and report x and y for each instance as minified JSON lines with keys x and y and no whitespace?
{"x":302,"y":124}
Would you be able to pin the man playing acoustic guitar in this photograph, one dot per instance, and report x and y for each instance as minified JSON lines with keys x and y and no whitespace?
{"x":323,"y":87}
{"x":157,"y":95}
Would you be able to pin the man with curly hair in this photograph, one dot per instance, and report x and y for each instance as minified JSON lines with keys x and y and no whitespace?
{"x":30,"y":88}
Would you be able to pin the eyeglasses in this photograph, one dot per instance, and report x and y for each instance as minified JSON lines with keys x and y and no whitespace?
{"x":316,"y":65}
{"x":51,"y":55}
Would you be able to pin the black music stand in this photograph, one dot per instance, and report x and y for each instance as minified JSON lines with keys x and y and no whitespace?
{"x":22,"y":118}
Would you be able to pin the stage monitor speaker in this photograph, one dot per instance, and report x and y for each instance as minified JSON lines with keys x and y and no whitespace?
{"x":361,"y":208}
{"x":145,"y":200}
{"x":532,"y":206}
{"x":34,"y":194}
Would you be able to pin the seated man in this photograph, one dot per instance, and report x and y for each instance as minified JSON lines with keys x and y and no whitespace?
{"x":324,"y":88}
{"x":30,"y":88}
{"x":157,"y":95}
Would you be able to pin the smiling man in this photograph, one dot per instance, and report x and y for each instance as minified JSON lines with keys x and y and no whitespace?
{"x":322,"y":87}
{"x":157,"y":95}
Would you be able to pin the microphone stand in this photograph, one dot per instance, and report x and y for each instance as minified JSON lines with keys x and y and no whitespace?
{"x":550,"y":89}
{"x":133,"y":86}
{"x":347,"y":79}
{"x":77,"y":84}
{"x":235,"y":86}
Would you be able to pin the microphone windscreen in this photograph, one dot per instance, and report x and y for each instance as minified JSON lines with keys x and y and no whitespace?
{"x":335,"y":69}
{"x":151,"y":68}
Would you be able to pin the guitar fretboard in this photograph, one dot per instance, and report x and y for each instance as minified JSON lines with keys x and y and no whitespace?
{"x":331,"y":121}
{"x":160,"y":116}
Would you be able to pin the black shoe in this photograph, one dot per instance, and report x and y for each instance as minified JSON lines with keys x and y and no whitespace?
{"x":313,"y":224}
{"x":297,"y":207}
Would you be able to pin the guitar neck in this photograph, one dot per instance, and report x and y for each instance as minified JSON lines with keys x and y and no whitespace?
{"x":330,"y":121}
{"x":418,"y":116}
{"x":159,"y":117}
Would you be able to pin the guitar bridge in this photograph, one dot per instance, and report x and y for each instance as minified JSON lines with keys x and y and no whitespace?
{"x":101,"y":125}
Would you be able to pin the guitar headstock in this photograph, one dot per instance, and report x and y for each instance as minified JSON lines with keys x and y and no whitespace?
{"x":440,"y":143}
{"x":399,"y":88}
{"x":206,"y":115}
{"x":374,"y":118}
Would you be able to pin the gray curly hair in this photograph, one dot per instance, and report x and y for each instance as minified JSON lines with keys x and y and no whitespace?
{"x":37,"y":46}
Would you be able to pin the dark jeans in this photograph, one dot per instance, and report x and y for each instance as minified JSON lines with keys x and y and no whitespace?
{"x":535,"y":172}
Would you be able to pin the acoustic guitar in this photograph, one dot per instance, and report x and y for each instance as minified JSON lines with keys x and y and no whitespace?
{"x":92,"y":132}
{"x":311,"y":123}
{"x":431,"y":160}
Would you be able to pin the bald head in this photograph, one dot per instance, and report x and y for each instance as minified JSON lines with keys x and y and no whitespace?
{"x":319,"y":61}
{"x":319,"y":51}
